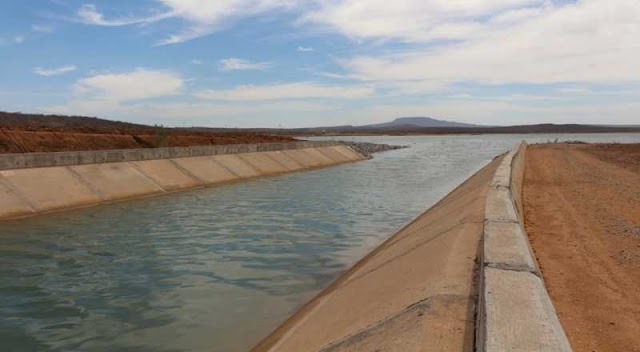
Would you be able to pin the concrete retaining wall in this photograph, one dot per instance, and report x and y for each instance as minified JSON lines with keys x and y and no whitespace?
{"x":74,"y":182}
{"x":31,"y":160}
{"x":515,"y":312}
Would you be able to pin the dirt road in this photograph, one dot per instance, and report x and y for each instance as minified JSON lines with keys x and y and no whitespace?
{"x":582,"y":214}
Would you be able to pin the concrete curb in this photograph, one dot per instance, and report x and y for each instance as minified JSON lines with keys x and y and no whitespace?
{"x":515,"y":312}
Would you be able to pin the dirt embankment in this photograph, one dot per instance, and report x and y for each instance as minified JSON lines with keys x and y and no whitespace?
{"x":582,"y":214}
{"x":26,"y":133}
{"x":17,"y":141}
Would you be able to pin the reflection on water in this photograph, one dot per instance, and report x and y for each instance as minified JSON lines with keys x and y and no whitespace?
{"x":216,"y":269}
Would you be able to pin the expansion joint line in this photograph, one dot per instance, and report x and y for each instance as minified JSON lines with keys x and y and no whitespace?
{"x":187,"y":172}
{"x":421,"y":305}
{"x":509,"y":267}
{"x":225,"y":167}
{"x":86,"y":182}
{"x":11,"y":188}
{"x":501,"y":221}
{"x":415,"y":247}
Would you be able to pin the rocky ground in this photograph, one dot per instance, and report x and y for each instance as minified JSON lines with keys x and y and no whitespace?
{"x":367,"y":149}
{"x":582,"y":214}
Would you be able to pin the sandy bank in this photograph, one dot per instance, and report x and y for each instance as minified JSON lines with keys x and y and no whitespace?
{"x":582,"y":214}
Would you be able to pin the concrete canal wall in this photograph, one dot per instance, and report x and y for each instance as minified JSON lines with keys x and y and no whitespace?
{"x":515,"y":312}
{"x":44,"y":182}
{"x":416,"y":292}
{"x":460,"y":277}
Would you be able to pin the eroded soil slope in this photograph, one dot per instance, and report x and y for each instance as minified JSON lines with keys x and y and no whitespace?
{"x":24,"y":133}
{"x":582,"y":213}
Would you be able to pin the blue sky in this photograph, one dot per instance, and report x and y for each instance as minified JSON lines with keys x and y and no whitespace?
{"x":292,"y":63}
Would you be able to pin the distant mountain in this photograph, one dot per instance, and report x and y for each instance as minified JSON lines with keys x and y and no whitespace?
{"x":418,"y":122}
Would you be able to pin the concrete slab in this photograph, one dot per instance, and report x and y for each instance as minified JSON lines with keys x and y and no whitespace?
{"x":11,"y":204}
{"x":334,"y":155}
{"x":206,"y":169}
{"x":302,"y":157}
{"x":433,"y":257}
{"x":115,"y":181}
{"x":236,"y":165}
{"x":519,"y":314}
{"x":50,"y":188}
{"x":324,"y":160}
{"x":264,"y":163}
{"x":348,"y":152}
{"x":94,"y":177}
{"x":502,"y":177}
{"x":285,"y":160}
{"x":499,"y":206}
{"x":505,"y":246}
{"x":167,"y":174}
{"x":424,"y":326}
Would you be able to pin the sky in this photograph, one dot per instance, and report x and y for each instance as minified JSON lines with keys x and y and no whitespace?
{"x":298,"y":63}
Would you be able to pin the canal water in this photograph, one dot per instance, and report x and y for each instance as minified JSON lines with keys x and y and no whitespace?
{"x":216,"y":269}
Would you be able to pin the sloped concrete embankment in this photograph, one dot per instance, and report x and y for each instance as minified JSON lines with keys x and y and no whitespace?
{"x":44,"y":182}
{"x":416,"y":292}
{"x":515,"y":312}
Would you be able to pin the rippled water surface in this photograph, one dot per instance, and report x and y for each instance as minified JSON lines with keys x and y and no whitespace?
{"x":216,"y":269}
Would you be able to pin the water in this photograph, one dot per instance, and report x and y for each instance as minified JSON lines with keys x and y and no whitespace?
{"x":216,"y":269}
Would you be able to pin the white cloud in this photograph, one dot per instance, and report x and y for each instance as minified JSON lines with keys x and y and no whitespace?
{"x":294,"y":113}
{"x":202,"y":17}
{"x":444,"y":44}
{"x":575,"y":90}
{"x":121,"y":87}
{"x":118,"y":93}
{"x":260,"y":114}
{"x":41,"y":28}
{"x":299,"y":90}
{"x":234,"y":64}
{"x":204,"y":109}
{"x":589,"y":41}
{"x":410,"y":20}
{"x":196,"y":62}
{"x":89,"y":14}
{"x":205,"y":17}
{"x":19,"y":39}
{"x":333,"y":75}
{"x":47,"y":72}
{"x":205,"y":11}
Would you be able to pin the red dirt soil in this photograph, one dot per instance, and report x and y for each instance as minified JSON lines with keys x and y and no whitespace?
{"x":23,"y":133}
{"x":582,"y":214}
{"x":12,"y":141}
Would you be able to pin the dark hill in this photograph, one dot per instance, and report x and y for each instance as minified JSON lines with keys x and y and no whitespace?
{"x":418,"y":122}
